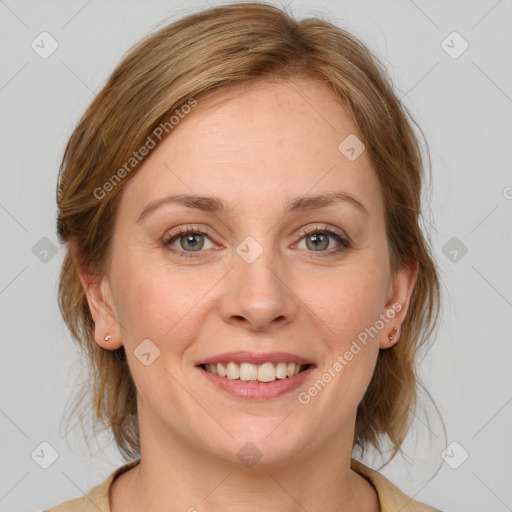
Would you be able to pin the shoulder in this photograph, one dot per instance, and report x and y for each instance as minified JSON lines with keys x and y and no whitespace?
{"x":391,"y":498}
{"x":96,"y":499}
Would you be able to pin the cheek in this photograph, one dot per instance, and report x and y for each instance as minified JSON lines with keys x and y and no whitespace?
{"x":346,"y":308}
{"x":159,"y":304}
{"x":348,"y":302}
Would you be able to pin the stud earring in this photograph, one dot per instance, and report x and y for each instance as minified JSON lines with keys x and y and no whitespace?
{"x":392,"y":336}
{"x":107,"y":337}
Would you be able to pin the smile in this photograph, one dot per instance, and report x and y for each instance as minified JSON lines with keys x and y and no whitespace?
{"x":249,"y":372}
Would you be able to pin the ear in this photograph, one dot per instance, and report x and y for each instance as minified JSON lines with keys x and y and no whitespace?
{"x":399,"y":296}
{"x":101,"y":306}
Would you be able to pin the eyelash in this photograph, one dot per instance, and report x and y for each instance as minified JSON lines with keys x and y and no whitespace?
{"x":344,"y":242}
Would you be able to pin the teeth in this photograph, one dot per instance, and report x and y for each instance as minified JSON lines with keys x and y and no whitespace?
{"x":281,"y":372}
{"x":267,"y":372}
{"x":232,"y":372}
{"x":248,"y":371}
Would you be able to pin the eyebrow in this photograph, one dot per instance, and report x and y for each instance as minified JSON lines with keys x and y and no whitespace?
{"x":215,"y":204}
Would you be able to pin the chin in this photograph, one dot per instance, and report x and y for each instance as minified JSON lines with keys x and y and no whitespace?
{"x":269,"y":441}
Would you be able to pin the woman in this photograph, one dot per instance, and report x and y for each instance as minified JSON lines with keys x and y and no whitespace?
{"x":245,"y":269}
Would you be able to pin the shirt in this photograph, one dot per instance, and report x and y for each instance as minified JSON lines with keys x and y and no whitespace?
{"x":391,"y":498}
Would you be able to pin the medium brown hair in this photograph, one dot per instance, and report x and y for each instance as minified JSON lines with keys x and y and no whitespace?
{"x":213,"y":51}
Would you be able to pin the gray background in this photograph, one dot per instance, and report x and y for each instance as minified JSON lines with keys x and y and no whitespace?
{"x":464,"y":106}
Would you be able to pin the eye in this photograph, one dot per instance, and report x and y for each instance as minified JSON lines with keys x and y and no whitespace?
{"x":189,"y":240}
{"x":320,"y":240}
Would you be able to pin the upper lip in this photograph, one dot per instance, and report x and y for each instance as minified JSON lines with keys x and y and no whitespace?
{"x":255,"y":358}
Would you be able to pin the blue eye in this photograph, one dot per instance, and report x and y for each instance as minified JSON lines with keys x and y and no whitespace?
{"x":190,"y":239}
{"x":320,"y":238}
{"x":193,"y":240}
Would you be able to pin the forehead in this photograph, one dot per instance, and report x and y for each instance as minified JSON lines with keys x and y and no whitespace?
{"x":258,"y":145}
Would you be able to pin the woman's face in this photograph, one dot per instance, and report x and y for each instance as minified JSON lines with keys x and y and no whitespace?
{"x":254,"y":281}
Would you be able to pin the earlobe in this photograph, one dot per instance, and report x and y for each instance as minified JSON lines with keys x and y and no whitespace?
{"x":100,"y":302}
{"x":396,"y":308}
{"x":390,"y":334}
{"x":393,"y":338}
{"x":106,"y":327}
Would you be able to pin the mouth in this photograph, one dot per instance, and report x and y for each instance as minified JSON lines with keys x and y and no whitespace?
{"x":249,"y":372}
{"x":256,"y":376}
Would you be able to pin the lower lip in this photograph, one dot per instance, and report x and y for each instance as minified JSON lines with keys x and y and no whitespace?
{"x":258,"y":390}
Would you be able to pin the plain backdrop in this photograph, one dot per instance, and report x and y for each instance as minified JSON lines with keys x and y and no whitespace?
{"x":462,"y":99}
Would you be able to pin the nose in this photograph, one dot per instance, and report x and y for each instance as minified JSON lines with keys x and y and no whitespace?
{"x":257,"y":295}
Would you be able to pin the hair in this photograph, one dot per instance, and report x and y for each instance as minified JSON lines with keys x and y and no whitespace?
{"x":217,"y":50}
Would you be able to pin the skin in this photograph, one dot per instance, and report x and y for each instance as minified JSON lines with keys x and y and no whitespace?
{"x":257,"y":149}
